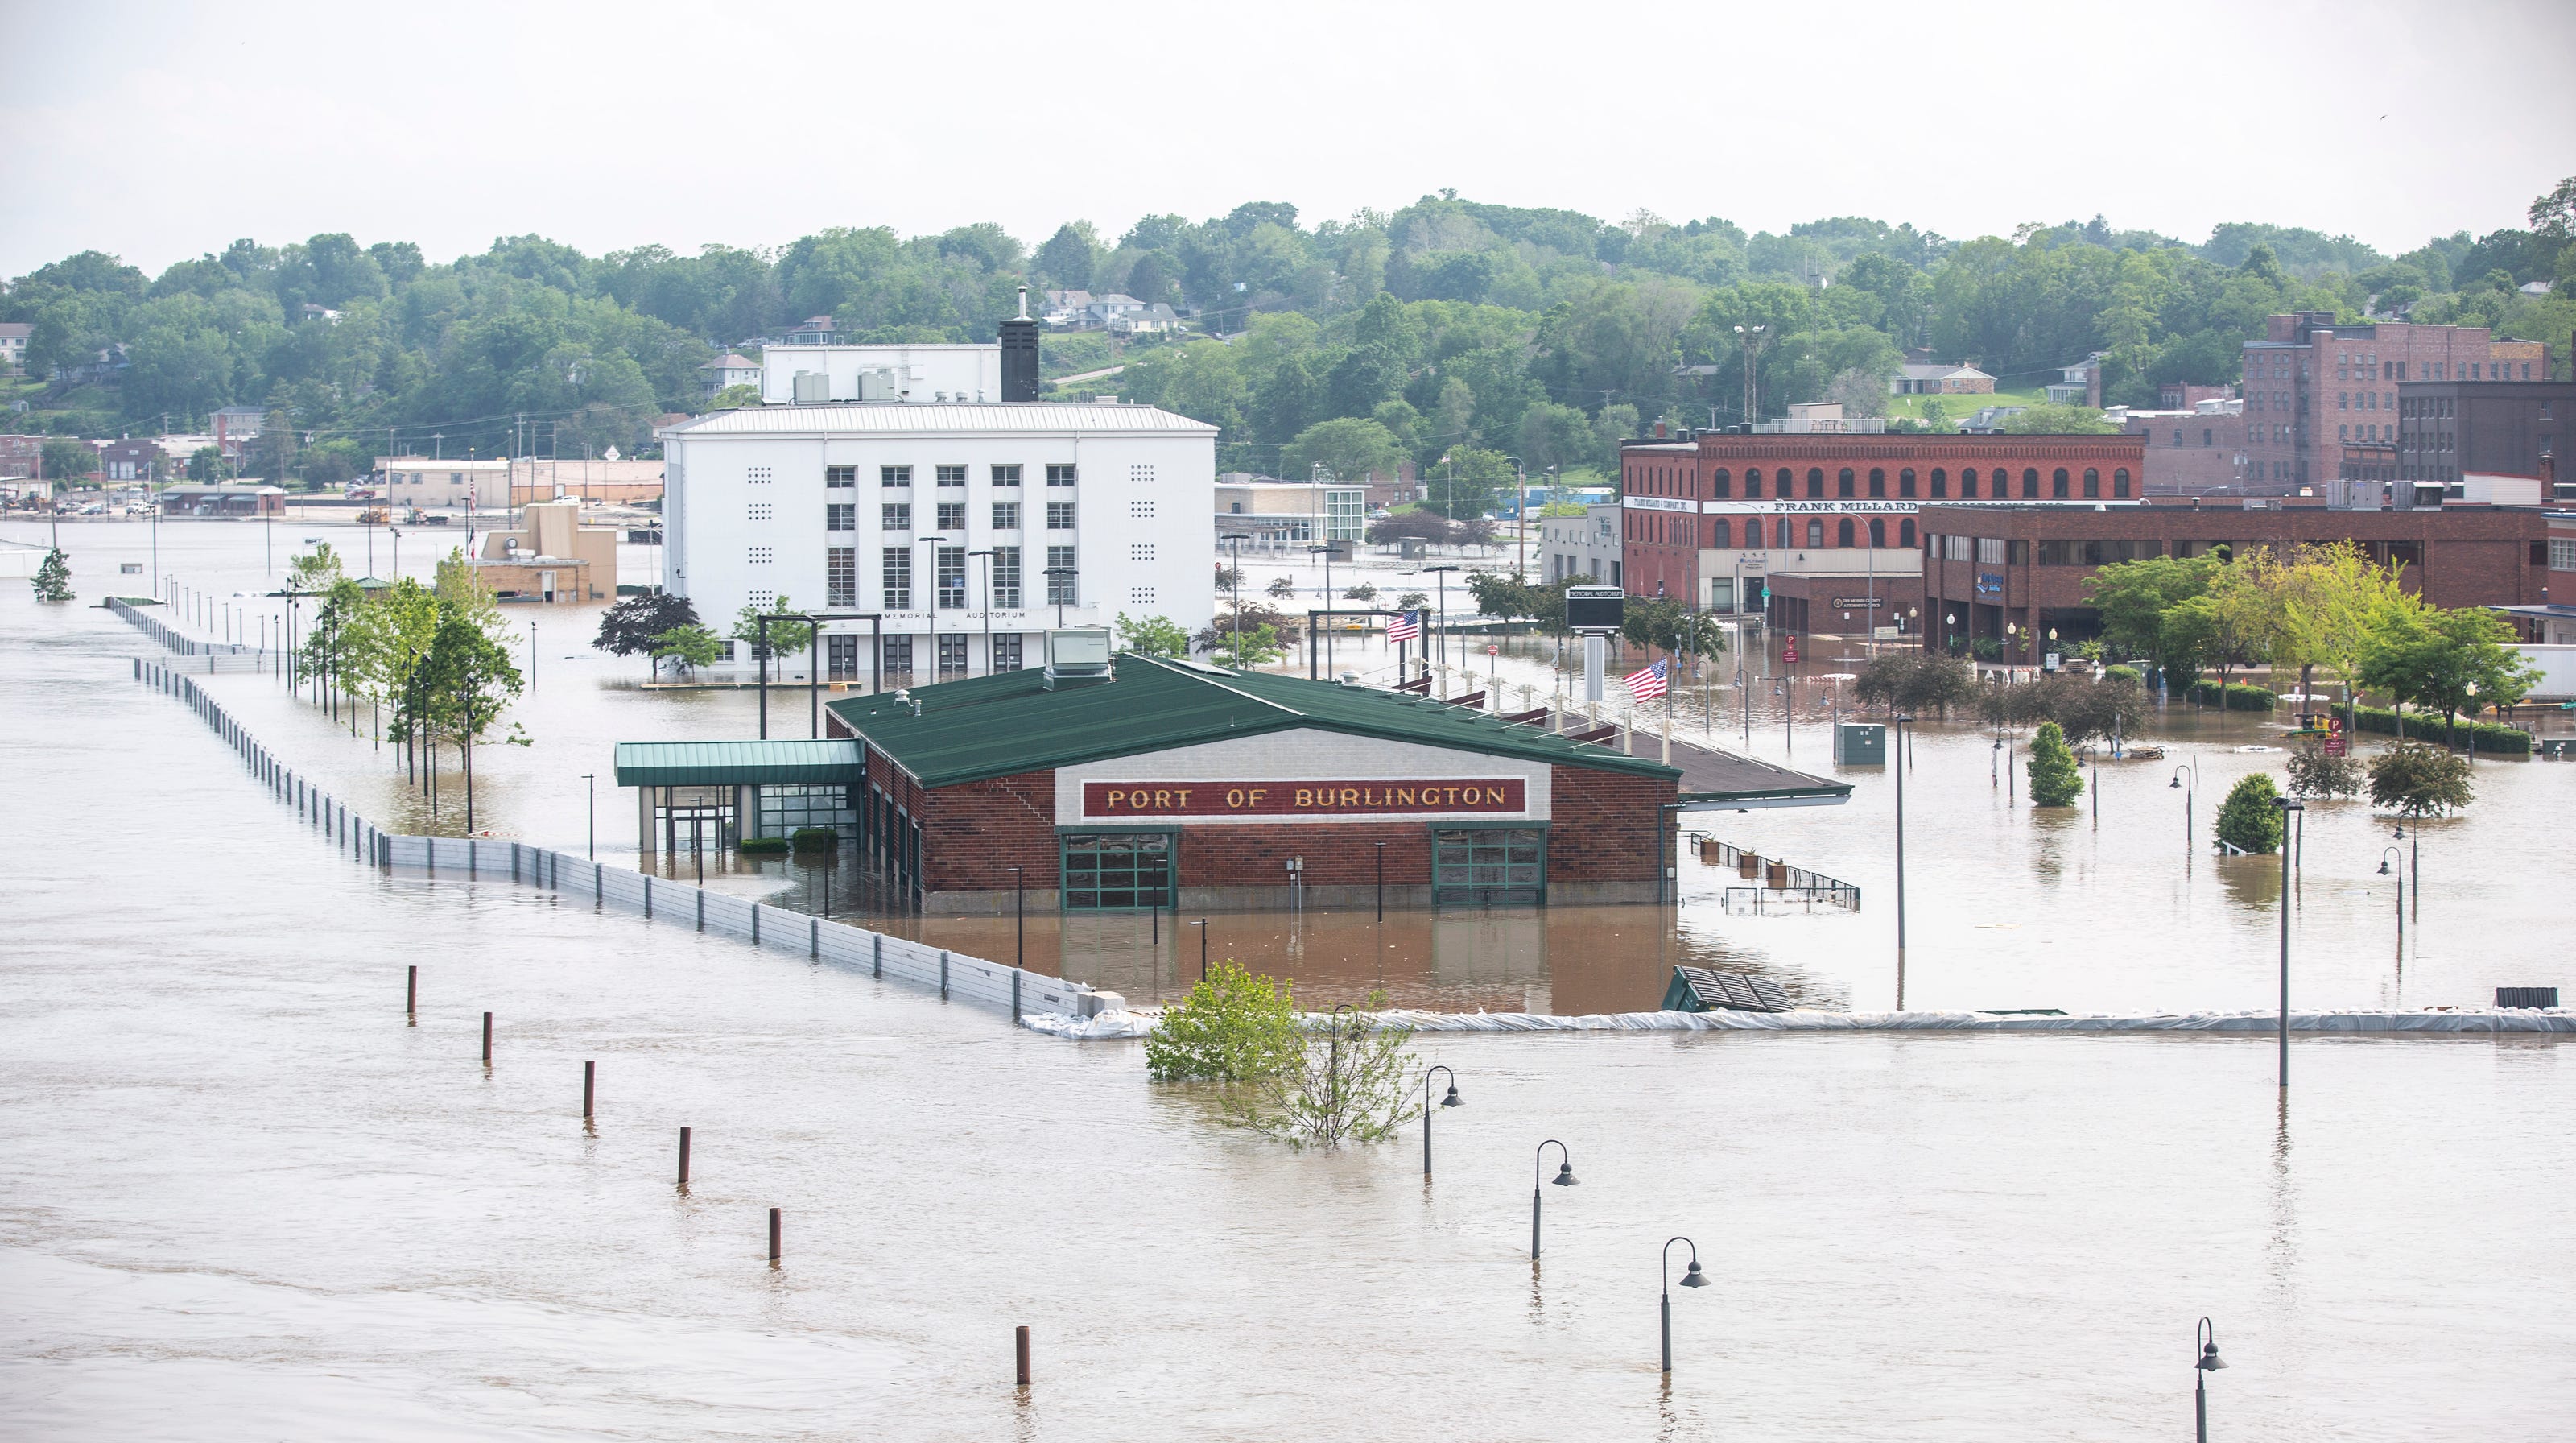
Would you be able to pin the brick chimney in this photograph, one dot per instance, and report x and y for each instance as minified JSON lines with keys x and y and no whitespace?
{"x":1659,"y":430}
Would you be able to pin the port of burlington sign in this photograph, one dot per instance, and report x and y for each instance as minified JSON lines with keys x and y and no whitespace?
{"x":1290,"y":799}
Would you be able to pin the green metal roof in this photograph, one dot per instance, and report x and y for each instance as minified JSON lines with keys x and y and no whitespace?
{"x":993,"y":726}
{"x":725,"y":764}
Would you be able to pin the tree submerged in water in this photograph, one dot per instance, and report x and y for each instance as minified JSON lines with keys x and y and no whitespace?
{"x":53,"y":580}
{"x":2055,"y":780}
{"x":1309,"y":1082}
{"x":2250,"y":819}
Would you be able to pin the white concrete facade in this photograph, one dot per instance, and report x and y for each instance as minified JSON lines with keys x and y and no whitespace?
{"x":1310,"y":758}
{"x":758,"y":501}
{"x":921,"y":375}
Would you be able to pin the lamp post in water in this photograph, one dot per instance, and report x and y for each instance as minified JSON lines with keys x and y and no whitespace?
{"x":2188,"y":793}
{"x":2205,"y":1339}
{"x":2287,"y":806}
{"x":1691,"y":1278}
{"x":1452,"y":1100}
{"x":1538,"y":1167}
{"x":2384,"y":854}
{"x":1903,"y":721}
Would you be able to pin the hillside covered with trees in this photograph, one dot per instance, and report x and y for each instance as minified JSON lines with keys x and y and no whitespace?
{"x":1544,"y":333}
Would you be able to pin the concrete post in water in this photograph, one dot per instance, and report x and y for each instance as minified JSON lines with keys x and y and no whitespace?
{"x":773,"y":1237}
{"x":1020,"y":1340}
{"x":589,"y":1087}
{"x":684,"y":1157}
{"x":487,"y":1039}
{"x":411,"y":991}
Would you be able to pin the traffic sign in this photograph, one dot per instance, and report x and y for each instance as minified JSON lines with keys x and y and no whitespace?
{"x":2334,"y":736}
{"x":1492,"y":650}
{"x":1789,"y":653}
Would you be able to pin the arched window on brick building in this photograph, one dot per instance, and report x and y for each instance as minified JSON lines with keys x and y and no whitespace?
{"x":1816,"y":481}
{"x":1905,"y":482}
{"x":1753,"y":483}
{"x":1843,"y":532}
{"x":1816,"y":534}
{"x":1877,"y":481}
{"x":2120,"y":482}
{"x":1722,"y":532}
{"x":1940,"y":482}
{"x":2029,"y":482}
{"x":1877,"y":531}
{"x":1905,"y":534}
{"x":1843,"y":482}
{"x":2092,"y":483}
{"x":2057,"y":485}
{"x":1725,"y":484}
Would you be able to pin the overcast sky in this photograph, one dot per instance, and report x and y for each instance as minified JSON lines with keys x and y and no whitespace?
{"x":160,"y":131}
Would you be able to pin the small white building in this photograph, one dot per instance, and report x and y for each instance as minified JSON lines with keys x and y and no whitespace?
{"x":425,"y":481}
{"x":730,"y":370}
{"x":1572,"y":548}
{"x":920,"y":375}
{"x":1281,"y":518}
{"x":944,"y":521}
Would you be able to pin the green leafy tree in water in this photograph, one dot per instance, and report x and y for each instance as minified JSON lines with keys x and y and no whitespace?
{"x":1351,"y":1082}
{"x":1152,"y":636}
{"x":53,"y":578}
{"x":689,"y":644}
{"x":631,"y":627}
{"x":2055,"y":780}
{"x":2314,"y":774}
{"x":786,"y":638}
{"x":2250,"y":819}
{"x":2420,"y":780}
{"x":470,"y":682}
{"x":1235,"y":1026}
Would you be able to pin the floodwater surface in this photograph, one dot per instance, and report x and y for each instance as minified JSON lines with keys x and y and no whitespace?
{"x":243,"y":1197}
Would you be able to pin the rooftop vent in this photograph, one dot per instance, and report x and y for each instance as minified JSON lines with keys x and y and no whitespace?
{"x":1077,"y":656}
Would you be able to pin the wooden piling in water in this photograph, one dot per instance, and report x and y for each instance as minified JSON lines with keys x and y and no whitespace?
{"x":487,"y":1039}
{"x":589,"y":1087}
{"x":1022,"y":1339}
{"x":773,"y":1235}
{"x":411,"y":992}
{"x":684,"y":1157}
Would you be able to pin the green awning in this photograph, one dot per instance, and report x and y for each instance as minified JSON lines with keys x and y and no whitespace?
{"x":730,"y":764}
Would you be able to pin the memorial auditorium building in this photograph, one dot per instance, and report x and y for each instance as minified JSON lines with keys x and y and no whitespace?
{"x":1136,"y":782}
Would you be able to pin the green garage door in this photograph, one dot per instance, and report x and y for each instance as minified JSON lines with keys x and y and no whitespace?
{"x":1489,"y":864}
{"x":1117,"y":871}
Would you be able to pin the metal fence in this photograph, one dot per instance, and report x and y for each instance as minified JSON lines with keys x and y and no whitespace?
{"x":1776,"y":877}
{"x":171,"y":637}
{"x":957,"y":976}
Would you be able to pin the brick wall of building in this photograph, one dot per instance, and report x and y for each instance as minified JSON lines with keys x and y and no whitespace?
{"x":2191,"y":453}
{"x":2312,"y":385}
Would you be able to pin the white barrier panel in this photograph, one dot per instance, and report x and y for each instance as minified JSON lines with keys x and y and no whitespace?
{"x":1113,"y":1025}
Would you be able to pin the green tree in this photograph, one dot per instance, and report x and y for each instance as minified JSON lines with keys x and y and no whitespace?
{"x":786,"y":638}
{"x":1352,"y":448}
{"x":1467,"y":480}
{"x":2445,"y":659}
{"x":2315,"y":774}
{"x":68,"y":461}
{"x":2134,"y":598}
{"x":1152,"y":636}
{"x":2250,"y":819}
{"x":1282,"y":587}
{"x":2049,"y":419}
{"x":53,"y":579}
{"x":1351,"y":1082}
{"x":629,"y":627}
{"x":1234,"y":1026}
{"x":1917,"y":682}
{"x":470,"y":681}
{"x":734,"y":397}
{"x":316,"y":569}
{"x":1245,"y":647}
{"x":2055,"y":780}
{"x":2420,"y":780}
{"x":689,"y":644}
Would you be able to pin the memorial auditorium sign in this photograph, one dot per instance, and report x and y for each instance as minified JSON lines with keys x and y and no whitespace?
{"x":1301,"y":799}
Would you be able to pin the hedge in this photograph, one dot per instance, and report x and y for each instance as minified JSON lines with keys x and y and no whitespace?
{"x":814,"y":839}
{"x":2240,"y":697}
{"x":2481,"y":736}
{"x":762,"y":846}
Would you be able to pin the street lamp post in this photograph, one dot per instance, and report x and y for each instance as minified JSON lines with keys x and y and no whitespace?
{"x":1020,"y":910}
{"x":1538,"y":1167}
{"x":2287,"y":806}
{"x":1327,"y":552}
{"x":2187,"y":794}
{"x":2414,"y":866}
{"x":987,"y":554}
{"x":1202,"y":924}
{"x":1059,"y":590}
{"x":931,"y":634}
{"x":1452,"y":1100}
{"x":1903,"y":721}
{"x":593,"y":779}
{"x":2205,"y":1341}
{"x":2384,"y":854}
{"x":1691,"y":1278}
{"x":1238,"y":538}
{"x":1443,"y":571}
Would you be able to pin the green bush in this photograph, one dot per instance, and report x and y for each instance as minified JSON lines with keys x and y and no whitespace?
{"x":814,"y":839}
{"x":1234,"y":1026}
{"x":762,"y":846}
{"x":2240,"y":697}
{"x":2248,"y":820}
{"x":2055,"y":780}
{"x":2122,"y":673}
{"x":2481,"y":736}
{"x":2419,"y":780}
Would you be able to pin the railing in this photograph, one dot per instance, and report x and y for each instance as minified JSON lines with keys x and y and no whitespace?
{"x":956,"y":975}
{"x":1776,"y":876}
{"x":171,"y":637}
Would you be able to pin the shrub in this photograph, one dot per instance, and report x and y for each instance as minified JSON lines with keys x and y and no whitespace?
{"x":762,"y":846}
{"x":2082,"y":707}
{"x":2420,"y":780}
{"x":814,"y":839}
{"x":53,"y":579}
{"x":1917,"y":682}
{"x":2314,"y":774}
{"x":2481,"y":736}
{"x":1351,"y":1080}
{"x":1234,"y":1026}
{"x":2123,"y":673}
{"x":2249,"y":820}
{"x":2240,"y":697}
{"x":2055,"y":780}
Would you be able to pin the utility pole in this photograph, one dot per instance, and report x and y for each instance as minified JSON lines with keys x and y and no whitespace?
{"x":1754,"y":339}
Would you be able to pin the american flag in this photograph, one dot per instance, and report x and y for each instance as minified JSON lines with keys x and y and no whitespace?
{"x":1407,"y":626}
{"x":1647,"y":683}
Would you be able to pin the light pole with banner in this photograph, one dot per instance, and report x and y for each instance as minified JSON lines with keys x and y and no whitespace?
{"x":1594,"y":612}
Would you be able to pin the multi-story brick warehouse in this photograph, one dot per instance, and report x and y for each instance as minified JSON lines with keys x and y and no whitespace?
{"x":2014,"y":573}
{"x":1794,"y":525}
{"x":1148,"y":782}
{"x":2312,"y":385}
{"x":2448,"y":428}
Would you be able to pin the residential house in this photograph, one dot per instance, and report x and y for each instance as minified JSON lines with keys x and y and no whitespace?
{"x":2079,"y":384}
{"x":729,"y":370}
{"x":235,"y":425}
{"x":1940,"y":378}
{"x":13,"y":346}
{"x":1154,"y":320}
{"x":1105,"y":309}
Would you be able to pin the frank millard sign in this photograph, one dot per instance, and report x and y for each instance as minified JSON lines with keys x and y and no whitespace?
{"x":1300,"y":799}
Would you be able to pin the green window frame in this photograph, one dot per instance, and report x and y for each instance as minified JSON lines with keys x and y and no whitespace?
{"x":1489,"y":862}
{"x":1116,"y":871}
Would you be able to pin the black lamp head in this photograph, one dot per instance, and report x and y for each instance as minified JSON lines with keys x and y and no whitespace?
{"x":1453,"y":1099}
{"x":1694,"y":1278}
{"x":2210,"y":1362}
{"x":2176,"y":784}
{"x":2383,"y":866}
{"x":1564,"y":1174}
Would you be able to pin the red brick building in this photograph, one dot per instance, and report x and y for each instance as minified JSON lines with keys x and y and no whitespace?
{"x":2192,"y":451}
{"x":2312,"y":385}
{"x":1172,"y":783}
{"x":2014,"y":573}
{"x":1793,"y":525}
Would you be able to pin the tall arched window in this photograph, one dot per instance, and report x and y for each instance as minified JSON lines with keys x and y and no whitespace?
{"x":2120,"y":482}
{"x":2030,"y":483}
{"x":1722,"y":534}
{"x":1843,"y":532}
{"x":1877,"y":481}
{"x":2057,"y":485}
{"x":2092,"y":482}
{"x":1967,"y":484}
{"x":1725,"y":484}
{"x":1905,"y":534}
{"x":1816,"y":534}
{"x":1877,"y":531}
{"x":1905,"y":482}
{"x":1843,"y":482}
{"x":1753,"y":483}
{"x":1940,"y":482}
{"x":1816,"y":481}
